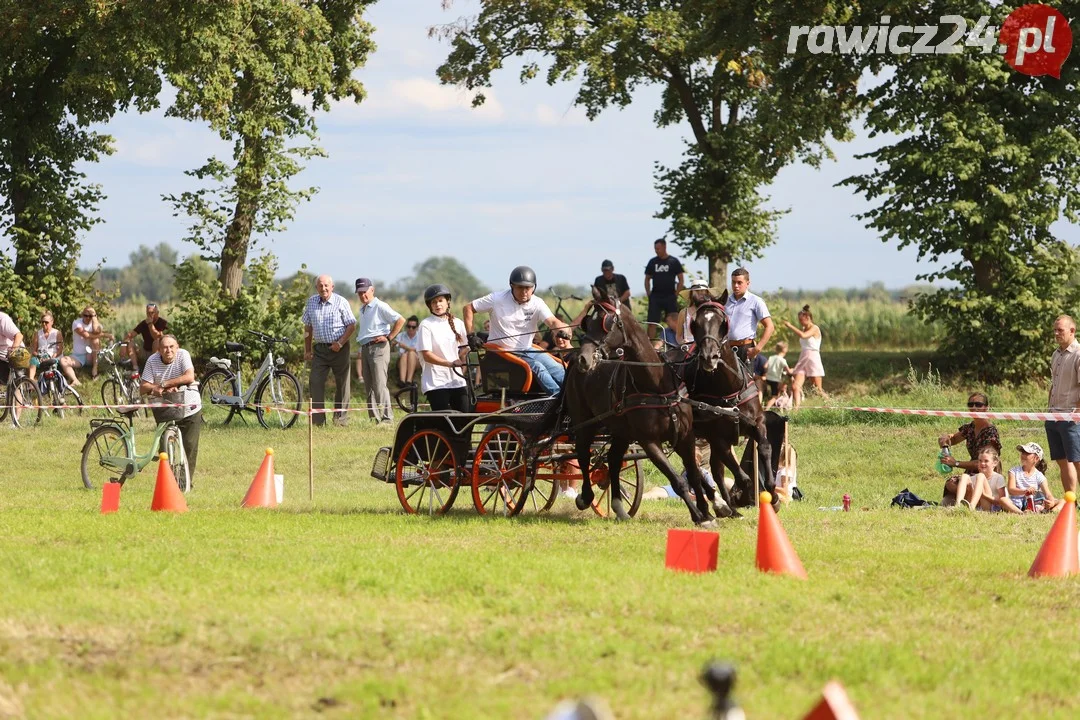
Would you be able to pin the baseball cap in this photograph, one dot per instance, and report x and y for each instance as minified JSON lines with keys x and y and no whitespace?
{"x":363,"y":284}
{"x":1033,"y":448}
{"x":607,"y":265}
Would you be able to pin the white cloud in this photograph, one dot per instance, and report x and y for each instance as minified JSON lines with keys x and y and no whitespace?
{"x":547,"y":115}
{"x":435,"y":98}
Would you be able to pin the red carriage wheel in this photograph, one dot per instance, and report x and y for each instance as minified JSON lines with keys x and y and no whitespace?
{"x":427,"y":477}
{"x":548,"y":476}
{"x":500,"y":473}
{"x":631,"y":483}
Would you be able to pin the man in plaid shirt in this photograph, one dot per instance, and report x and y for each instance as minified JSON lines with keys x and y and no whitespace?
{"x":328,"y":325}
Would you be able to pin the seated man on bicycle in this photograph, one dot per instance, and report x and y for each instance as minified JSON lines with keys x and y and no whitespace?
{"x":10,"y":338}
{"x":167,"y":370}
{"x":515,"y":315}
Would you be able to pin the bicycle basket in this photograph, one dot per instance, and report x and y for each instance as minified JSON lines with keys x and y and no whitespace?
{"x":170,"y":414}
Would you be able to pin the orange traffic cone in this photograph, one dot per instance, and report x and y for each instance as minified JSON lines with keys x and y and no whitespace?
{"x":774,"y":550}
{"x":167,"y":495}
{"x":834,"y":705}
{"x":261,"y":493}
{"x":1058,"y":556}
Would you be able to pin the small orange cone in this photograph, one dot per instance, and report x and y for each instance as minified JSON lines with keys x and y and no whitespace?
{"x":167,"y":495}
{"x":261,"y":493}
{"x":774,"y":550}
{"x":691,"y":550}
{"x":110,"y":497}
{"x":834,"y":705}
{"x":1058,"y":556}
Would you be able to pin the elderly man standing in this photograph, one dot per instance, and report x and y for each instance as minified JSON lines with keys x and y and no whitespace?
{"x":1063,"y":436}
{"x":379,"y":325}
{"x":165,"y":372}
{"x":328,"y":325}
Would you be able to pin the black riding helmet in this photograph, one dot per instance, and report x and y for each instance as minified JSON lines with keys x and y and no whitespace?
{"x":524,"y":276}
{"x":434,"y":291}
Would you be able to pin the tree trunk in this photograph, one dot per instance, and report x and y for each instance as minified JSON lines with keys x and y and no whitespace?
{"x":249,"y":181}
{"x":718,"y":271}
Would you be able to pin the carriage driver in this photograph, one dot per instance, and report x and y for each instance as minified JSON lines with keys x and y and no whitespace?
{"x":515,"y":316}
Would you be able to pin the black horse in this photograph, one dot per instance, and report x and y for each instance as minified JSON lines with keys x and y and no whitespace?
{"x":715,"y":375}
{"x":619,"y":383}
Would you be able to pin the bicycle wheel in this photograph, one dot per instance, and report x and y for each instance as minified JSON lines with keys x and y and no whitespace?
{"x":174,"y":449}
{"x":220,"y":383}
{"x":104,"y":457}
{"x":3,"y":402}
{"x":281,"y":390}
{"x":72,"y":401}
{"x":25,"y":403}
{"x":112,"y":395}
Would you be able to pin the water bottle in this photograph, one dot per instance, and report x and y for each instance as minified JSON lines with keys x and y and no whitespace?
{"x":943,"y":467}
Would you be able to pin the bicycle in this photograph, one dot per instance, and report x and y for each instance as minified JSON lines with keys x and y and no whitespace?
{"x":559,"y":311}
{"x":110,"y":454}
{"x":54,"y":387}
{"x":121,"y":388}
{"x":275,"y":392}
{"x":19,"y":397}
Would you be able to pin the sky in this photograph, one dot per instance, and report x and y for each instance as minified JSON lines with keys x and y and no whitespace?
{"x":413,"y":171}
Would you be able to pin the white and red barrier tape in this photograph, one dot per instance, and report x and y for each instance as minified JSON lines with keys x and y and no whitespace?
{"x":966,"y":414}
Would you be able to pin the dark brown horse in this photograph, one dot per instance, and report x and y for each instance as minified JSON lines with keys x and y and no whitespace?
{"x":714,"y":375}
{"x":620,"y":385}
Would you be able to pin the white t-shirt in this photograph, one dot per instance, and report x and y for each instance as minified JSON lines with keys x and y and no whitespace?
{"x":156,"y":372}
{"x":775,"y":367}
{"x":8,"y":331}
{"x":512,"y":324}
{"x":997,"y":482}
{"x":49,"y":343}
{"x":79,"y":345}
{"x":436,"y":336}
{"x":405,"y":342}
{"x":1027,"y":482}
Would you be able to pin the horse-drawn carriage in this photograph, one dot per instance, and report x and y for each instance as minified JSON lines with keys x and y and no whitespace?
{"x":497,"y":451}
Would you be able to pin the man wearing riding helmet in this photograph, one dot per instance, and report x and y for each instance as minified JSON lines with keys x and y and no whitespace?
{"x":515,"y":316}
{"x":442,"y":345}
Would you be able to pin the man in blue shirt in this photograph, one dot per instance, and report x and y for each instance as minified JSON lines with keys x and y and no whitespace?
{"x":328,"y":325}
{"x":745,"y":312}
{"x":379,"y":325}
{"x":661,"y":274}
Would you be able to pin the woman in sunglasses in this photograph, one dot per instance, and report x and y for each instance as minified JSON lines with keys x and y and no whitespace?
{"x":977,"y":434}
{"x":408,"y":360}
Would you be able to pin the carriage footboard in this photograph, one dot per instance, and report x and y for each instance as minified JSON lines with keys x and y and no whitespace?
{"x":380,"y":469}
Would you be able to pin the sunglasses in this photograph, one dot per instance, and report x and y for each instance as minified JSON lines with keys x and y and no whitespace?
{"x":87,"y":317}
{"x":412,"y":327}
{"x":976,"y":404}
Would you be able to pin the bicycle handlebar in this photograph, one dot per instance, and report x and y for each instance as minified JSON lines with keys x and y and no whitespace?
{"x":268,"y":339}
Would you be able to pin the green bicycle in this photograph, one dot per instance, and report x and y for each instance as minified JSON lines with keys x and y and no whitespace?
{"x":109,"y":454}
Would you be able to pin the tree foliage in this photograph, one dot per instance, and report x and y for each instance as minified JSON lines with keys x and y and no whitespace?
{"x":255,"y":70}
{"x":446,"y":270}
{"x":64,"y":65}
{"x":986,"y":162}
{"x":723,"y":69}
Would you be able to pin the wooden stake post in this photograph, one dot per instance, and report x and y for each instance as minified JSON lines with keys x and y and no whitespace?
{"x":311,"y":450}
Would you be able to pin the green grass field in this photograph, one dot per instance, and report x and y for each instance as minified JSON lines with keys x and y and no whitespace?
{"x":345,"y":607}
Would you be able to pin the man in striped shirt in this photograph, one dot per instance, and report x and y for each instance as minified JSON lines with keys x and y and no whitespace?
{"x":165,"y":371}
{"x":328,"y":325}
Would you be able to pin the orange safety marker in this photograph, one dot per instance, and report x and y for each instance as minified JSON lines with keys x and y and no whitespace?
{"x":1058,"y":556}
{"x":261,"y":493}
{"x":834,"y":705}
{"x":691,"y":550}
{"x":774,"y":550}
{"x":167,"y":495}
{"x":110,"y":497}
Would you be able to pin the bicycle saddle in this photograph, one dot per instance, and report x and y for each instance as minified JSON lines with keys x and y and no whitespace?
{"x":234,"y":347}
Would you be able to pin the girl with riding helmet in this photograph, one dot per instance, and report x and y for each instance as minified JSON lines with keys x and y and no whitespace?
{"x":442,"y":344}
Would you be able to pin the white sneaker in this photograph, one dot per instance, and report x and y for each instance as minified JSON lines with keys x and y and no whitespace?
{"x":569,"y":493}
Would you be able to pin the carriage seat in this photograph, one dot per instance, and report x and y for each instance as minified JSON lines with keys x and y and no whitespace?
{"x":503,"y":370}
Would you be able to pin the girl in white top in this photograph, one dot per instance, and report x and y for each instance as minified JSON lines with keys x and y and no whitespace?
{"x":983,"y":490}
{"x":46,"y":340}
{"x":1026,"y":480}
{"x":809,"y":364}
{"x":443,"y":346}
{"x":408,"y":360}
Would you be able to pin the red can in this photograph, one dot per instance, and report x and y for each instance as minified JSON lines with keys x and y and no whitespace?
{"x":1030,"y":505}
{"x":847,"y":503}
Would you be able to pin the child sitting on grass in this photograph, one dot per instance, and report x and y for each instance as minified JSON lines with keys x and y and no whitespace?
{"x":1027,"y":480}
{"x":786,"y":473}
{"x":980,"y":491}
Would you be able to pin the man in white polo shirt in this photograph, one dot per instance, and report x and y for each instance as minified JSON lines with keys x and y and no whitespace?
{"x":745,"y":312}
{"x":380,"y":325}
{"x":516,"y":314}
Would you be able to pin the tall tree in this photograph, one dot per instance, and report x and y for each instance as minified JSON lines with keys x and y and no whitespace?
{"x":255,"y":70}
{"x":983,"y":161}
{"x":723,"y":68}
{"x":64,"y":65}
{"x":446,"y":270}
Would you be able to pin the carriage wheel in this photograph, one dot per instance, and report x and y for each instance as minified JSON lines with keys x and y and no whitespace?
{"x":499,"y":473}
{"x":426,"y":477}
{"x":547,"y":476}
{"x":630,"y":483}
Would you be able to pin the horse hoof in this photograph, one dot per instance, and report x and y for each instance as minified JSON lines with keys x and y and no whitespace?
{"x":722,"y":511}
{"x":709,"y":524}
{"x":582,"y":503}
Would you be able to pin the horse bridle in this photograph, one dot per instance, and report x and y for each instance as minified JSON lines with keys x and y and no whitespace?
{"x":716,"y":341}
{"x":611,"y":319}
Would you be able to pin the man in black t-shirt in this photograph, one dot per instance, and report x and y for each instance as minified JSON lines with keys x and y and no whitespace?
{"x":151,"y":329}
{"x":611,"y":283}
{"x":663,"y":282}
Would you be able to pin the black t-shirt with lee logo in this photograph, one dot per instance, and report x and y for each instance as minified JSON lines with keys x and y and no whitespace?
{"x":664,"y":274}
